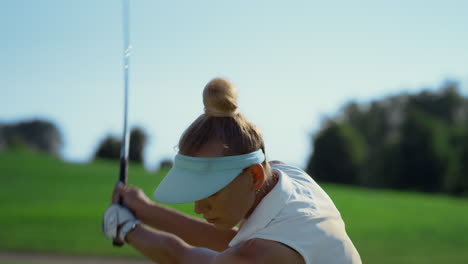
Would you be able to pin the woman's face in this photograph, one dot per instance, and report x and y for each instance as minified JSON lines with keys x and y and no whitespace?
{"x":230,"y":205}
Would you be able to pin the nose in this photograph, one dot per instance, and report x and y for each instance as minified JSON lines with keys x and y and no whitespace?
{"x":201,"y":206}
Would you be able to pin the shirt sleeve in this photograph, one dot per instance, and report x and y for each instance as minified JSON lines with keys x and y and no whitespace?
{"x":317,"y":240}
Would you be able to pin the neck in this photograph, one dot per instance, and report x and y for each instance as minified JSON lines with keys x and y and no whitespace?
{"x":268,"y":185}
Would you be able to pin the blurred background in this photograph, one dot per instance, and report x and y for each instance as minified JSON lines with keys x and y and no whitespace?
{"x":369,"y":97}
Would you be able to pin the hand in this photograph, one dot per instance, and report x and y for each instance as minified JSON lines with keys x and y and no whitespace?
{"x":133,"y":198}
{"x":114,"y":218}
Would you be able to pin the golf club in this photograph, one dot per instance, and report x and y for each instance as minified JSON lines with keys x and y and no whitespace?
{"x":125,"y":138}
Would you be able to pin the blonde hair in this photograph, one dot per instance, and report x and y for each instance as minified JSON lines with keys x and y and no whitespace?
{"x":222,"y":122}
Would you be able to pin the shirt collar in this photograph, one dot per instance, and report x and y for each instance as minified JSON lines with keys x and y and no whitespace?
{"x":267,"y":209}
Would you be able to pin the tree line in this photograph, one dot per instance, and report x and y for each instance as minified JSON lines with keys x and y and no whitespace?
{"x":407,"y":141}
{"x":44,"y":136}
{"x":36,"y":134}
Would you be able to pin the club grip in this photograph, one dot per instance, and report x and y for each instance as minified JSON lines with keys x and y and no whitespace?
{"x":123,"y":171}
{"x":116,"y":199}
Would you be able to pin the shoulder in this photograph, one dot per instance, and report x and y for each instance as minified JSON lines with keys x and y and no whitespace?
{"x":259,"y":251}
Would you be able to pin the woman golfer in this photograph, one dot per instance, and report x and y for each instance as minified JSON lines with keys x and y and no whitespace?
{"x":256,"y":211}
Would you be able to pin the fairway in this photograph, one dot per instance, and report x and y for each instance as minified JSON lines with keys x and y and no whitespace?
{"x":52,"y":207}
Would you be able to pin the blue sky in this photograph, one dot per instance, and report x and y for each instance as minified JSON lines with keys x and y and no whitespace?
{"x":293,"y":63}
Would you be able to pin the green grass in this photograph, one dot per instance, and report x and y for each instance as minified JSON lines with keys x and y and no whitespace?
{"x":396,"y":227}
{"x":47,"y":205}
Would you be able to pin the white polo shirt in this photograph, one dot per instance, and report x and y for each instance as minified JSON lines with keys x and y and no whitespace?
{"x":298,"y":213}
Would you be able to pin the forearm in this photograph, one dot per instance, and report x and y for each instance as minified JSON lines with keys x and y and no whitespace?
{"x":162,"y":247}
{"x":192,"y":230}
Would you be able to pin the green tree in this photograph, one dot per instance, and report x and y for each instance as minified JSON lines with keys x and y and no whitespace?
{"x":446,"y":104}
{"x":463,"y":159}
{"x":457,"y":182}
{"x":411,"y":142}
{"x":110,"y":147}
{"x":137,"y":145}
{"x":339,"y":152}
{"x":425,"y":153}
{"x":35,"y":134}
{"x":382,"y":168}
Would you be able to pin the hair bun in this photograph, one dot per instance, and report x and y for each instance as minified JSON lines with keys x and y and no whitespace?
{"x":220,"y":98}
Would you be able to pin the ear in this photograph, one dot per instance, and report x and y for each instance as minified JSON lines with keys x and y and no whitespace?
{"x":258,"y":176}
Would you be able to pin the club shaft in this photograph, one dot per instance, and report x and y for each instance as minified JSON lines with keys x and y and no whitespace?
{"x":126,"y":67}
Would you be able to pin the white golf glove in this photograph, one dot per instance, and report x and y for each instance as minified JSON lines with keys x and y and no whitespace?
{"x":115,"y":217}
